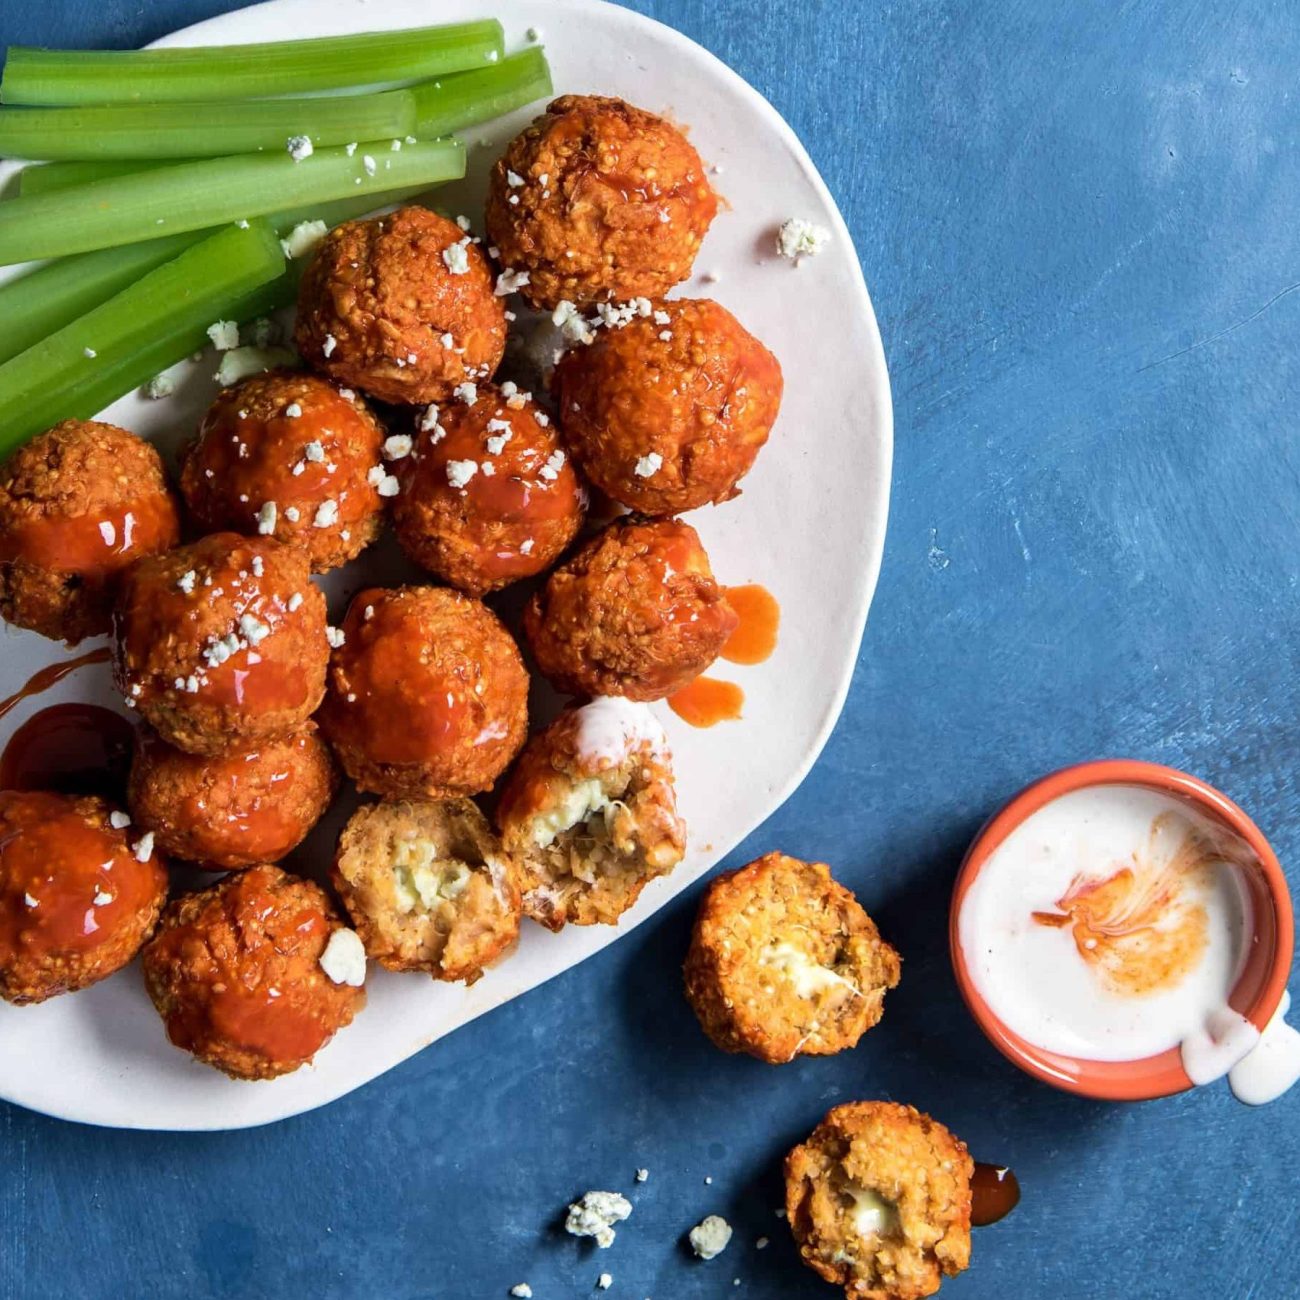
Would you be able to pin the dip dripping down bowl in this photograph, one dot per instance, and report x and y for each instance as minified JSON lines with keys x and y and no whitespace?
{"x":1253,"y":980}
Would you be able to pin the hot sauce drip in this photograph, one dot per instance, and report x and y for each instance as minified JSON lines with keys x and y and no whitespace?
{"x":994,"y":1193}
{"x":760,"y":619}
{"x":706,"y":701}
{"x":69,"y":748}
{"x":47,"y":677}
{"x":1144,"y":927}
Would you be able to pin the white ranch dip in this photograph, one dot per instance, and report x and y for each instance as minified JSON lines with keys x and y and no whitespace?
{"x":1111,"y":925}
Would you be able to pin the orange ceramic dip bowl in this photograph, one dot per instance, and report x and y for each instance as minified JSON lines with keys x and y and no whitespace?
{"x":1264,"y":973}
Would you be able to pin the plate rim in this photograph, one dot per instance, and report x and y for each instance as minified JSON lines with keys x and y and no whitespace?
{"x":869,"y":559}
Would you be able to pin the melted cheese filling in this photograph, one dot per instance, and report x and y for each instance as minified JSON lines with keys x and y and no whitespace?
{"x":583,"y":800}
{"x":807,"y":976}
{"x":420,"y":881}
{"x":871,"y":1214}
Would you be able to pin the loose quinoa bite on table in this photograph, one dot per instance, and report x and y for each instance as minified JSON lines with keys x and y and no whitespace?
{"x":879,"y":1200}
{"x":783,"y":961}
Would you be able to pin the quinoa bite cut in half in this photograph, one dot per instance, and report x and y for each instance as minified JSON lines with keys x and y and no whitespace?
{"x":878,"y":1198}
{"x":783,"y":961}
{"x":427,"y":887}
{"x":589,"y":813}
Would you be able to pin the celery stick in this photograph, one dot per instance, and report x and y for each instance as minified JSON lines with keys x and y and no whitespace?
{"x":47,"y":177}
{"x":465,"y":98}
{"x":54,"y":295}
{"x":64,"y":374}
{"x":37,"y":76}
{"x":105,"y":386}
{"x":190,"y":196}
{"x":208,"y":131}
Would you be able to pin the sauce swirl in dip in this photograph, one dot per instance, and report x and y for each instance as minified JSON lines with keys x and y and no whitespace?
{"x":1111,"y":925}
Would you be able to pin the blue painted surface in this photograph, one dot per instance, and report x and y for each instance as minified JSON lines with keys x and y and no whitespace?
{"x":1078,"y":222}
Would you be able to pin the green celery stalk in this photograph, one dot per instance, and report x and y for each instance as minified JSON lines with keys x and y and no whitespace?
{"x":464,"y":99}
{"x":452,"y":103}
{"x":65,"y":374}
{"x":202,"y":131}
{"x":54,"y":295}
{"x":44,"y":178}
{"x":127,"y":373}
{"x":190,"y":196}
{"x":341,"y":209}
{"x":68,"y":77}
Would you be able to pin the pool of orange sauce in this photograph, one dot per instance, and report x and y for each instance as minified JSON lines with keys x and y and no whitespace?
{"x":707,"y":701}
{"x":70,"y":748}
{"x":760,"y":620}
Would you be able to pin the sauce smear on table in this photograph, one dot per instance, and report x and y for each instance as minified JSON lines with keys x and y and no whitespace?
{"x":47,"y":677}
{"x":760,"y":619}
{"x":71,"y":749}
{"x":994,"y":1193}
{"x":707,"y":701}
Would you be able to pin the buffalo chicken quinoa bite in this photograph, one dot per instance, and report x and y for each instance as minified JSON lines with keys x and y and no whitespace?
{"x":668,"y":411}
{"x":290,"y":456}
{"x":221,"y":644}
{"x":428,"y":694}
{"x":879,"y":1201}
{"x":235,"y":809}
{"x":635,"y":612}
{"x":589,"y":814}
{"x":79,"y":893}
{"x":402,"y":307}
{"x":240,"y":972}
{"x":78,"y":504}
{"x":427,"y":887}
{"x":487,"y":495}
{"x":783,"y":961}
{"x":598,"y":201}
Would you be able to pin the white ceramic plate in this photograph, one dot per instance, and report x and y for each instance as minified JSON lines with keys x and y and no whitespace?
{"x":810,"y":526}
